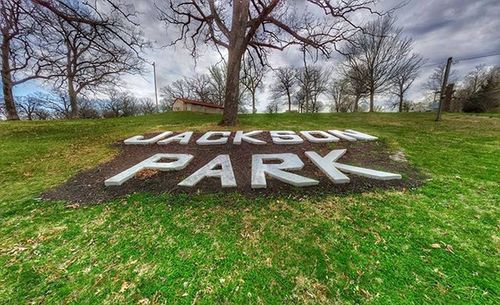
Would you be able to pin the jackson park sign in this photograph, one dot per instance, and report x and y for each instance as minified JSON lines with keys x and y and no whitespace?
{"x":276,"y":165}
{"x":251,"y":163}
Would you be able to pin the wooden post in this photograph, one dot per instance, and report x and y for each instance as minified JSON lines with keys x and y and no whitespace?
{"x":156,"y":90}
{"x":448,"y":95}
{"x":443,"y":88}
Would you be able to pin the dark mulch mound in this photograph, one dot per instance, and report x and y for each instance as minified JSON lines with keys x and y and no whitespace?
{"x":88,"y":186}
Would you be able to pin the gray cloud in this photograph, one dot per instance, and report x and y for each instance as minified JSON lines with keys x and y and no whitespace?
{"x":458,"y":28}
{"x":439,"y":28}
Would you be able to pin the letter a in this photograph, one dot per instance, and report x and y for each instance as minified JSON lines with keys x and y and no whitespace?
{"x":225,"y":174}
{"x":182,"y":138}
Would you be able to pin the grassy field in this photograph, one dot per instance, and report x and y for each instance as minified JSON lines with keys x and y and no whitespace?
{"x":437,"y":244}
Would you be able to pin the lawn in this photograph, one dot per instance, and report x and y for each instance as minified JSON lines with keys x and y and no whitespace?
{"x":436,"y":244}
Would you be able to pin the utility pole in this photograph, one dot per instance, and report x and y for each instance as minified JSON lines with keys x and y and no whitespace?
{"x":443,"y":88}
{"x":156,"y":90}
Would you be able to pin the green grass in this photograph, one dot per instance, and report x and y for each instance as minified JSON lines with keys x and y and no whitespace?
{"x":437,"y":244}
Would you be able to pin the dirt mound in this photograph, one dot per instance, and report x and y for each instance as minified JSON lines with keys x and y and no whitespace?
{"x":88,"y":186}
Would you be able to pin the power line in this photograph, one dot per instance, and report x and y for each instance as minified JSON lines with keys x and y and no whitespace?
{"x":463,"y":59}
{"x":481,"y":56}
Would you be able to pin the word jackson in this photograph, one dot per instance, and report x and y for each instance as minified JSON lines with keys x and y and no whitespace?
{"x":262,"y":164}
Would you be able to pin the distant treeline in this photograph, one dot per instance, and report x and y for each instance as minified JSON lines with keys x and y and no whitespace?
{"x":80,"y":53}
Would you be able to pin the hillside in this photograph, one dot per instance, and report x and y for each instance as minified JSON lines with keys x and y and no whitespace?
{"x":437,"y":243}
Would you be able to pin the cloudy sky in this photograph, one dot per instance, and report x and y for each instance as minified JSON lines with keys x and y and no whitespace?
{"x":462,"y":29}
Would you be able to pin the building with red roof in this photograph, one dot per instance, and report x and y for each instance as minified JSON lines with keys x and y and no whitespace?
{"x":184,"y":104}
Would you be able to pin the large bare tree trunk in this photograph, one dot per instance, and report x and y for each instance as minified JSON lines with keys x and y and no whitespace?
{"x":231,"y":97}
{"x":372,"y":94}
{"x":8,"y":96}
{"x":237,"y":47}
{"x":254,"y":110}
{"x":289,"y":100}
{"x":70,"y":78}
{"x":400,"y":98}
{"x":356,"y":103}
{"x":72,"y":98}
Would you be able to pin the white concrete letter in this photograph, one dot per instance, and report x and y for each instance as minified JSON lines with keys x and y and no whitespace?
{"x":247,"y":137}
{"x":181,"y":161}
{"x":225,"y":174}
{"x":325,"y":164}
{"x":285,"y":137}
{"x":359,"y":135}
{"x":328,"y":166}
{"x":182,"y":138}
{"x":342,"y":135}
{"x":352,"y":135}
{"x":289,"y":161}
{"x":324,"y":137}
{"x":139,"y":140}
{"x":205,"y":139}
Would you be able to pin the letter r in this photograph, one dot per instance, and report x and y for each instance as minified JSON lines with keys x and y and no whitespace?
{"x":289,"y":161}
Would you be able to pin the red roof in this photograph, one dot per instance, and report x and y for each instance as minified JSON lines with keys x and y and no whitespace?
{"x":200,"y":103}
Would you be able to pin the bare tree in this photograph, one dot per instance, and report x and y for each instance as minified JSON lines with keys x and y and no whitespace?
{"x":200,"y":87}
{"x":24,"y":25}
{"x":32,"y":107}
{"x":376,"y":53}
{"x":435,"y":80}
{"x":487,"y":96}
{"x":475,"y":79}
{"x":252,"y":77}
{"x":217,"y":76}
{"x":119,"y":19}
{"x":147,"y":105}
{"x":180,"y":88}
{"x":89,"y":108}
{"x":339,"y":91}
{"x":261,"y":26}
{"x":22,"y":54}
{"x":10,"y":24}
{"x":273,"y":107}
{"x":59,"y":105}
{"x":357,"y":85}
{"x":218,"y":79}
{"x":90,"y":57}
{"x":208,"y":87}
{"x":284,"y":85}
{"x":406,"y":74}
{"x":120,"y":104}
{"x":312,"y":83}
{"x":319,"y":83}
